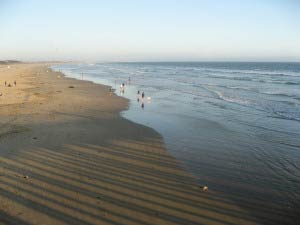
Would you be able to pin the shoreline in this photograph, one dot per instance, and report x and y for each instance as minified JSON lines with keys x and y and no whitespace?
{"x":69,"y":157}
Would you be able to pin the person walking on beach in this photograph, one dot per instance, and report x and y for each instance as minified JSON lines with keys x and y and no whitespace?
{"x":138,"y":92}
{"x":5,"y":83}
{"x":15,"y":83}
{"x":143,"y":95}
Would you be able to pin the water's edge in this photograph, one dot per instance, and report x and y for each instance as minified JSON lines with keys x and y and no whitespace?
{"x":123,"y":115}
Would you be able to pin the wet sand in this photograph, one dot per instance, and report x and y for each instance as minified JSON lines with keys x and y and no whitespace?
{"x":68,"y":157}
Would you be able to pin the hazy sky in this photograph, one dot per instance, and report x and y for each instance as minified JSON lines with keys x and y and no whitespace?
{"x":156,"y":30}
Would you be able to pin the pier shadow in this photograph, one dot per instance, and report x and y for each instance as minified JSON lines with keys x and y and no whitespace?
{"x":124,"y":182}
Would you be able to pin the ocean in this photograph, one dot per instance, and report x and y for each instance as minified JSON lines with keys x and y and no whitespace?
{"x":235,"y":126}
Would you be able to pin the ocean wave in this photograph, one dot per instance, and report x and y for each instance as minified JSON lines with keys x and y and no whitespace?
{"x":231,"y":78}
{"x":230,"y":99}
{"x":265,"y":73}
{"x":292,"y":83}
{"x":288,"y":144}
{"x":221,"y":106}
{"x":260,"y":106}
{"x":239,"y":88}
{"x":280,"y":115}
{"x":242,"y":88}
{"x":260,"y":126}
{"x":252,"y":72}
{"x":281,"y":94}
{"x":193,"y":83}
{"x":253,"y":79}
{"x":233,"y":99}
{"x":282,"y":82}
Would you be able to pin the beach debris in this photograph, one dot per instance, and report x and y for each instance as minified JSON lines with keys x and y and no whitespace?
{"x":34,"y":138}
{"x":204,"y":188}
{"x":22,"y":176}
{"x":71,"y":86}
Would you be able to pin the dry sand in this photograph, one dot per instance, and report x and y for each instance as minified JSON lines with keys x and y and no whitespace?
{"x":67,"y":157}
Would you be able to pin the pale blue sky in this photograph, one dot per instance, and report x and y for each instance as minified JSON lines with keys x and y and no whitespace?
{"x":153,"y":30}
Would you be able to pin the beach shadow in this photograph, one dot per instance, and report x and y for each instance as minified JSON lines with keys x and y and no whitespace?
{"x":109,"y":184}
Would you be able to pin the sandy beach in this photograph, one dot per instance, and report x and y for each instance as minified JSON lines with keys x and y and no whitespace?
{"x":68,"y":157}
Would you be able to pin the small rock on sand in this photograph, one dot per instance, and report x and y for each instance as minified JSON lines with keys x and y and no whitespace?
{"x":205,"y":188}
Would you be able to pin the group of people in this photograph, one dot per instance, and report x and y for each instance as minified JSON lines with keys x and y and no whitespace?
{"x":9,"y":85}
{"x":142,"y":97}
{"x":140,"y":94}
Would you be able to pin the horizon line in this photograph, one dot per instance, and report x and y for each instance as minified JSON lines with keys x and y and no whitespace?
{"x":147,"y":61}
